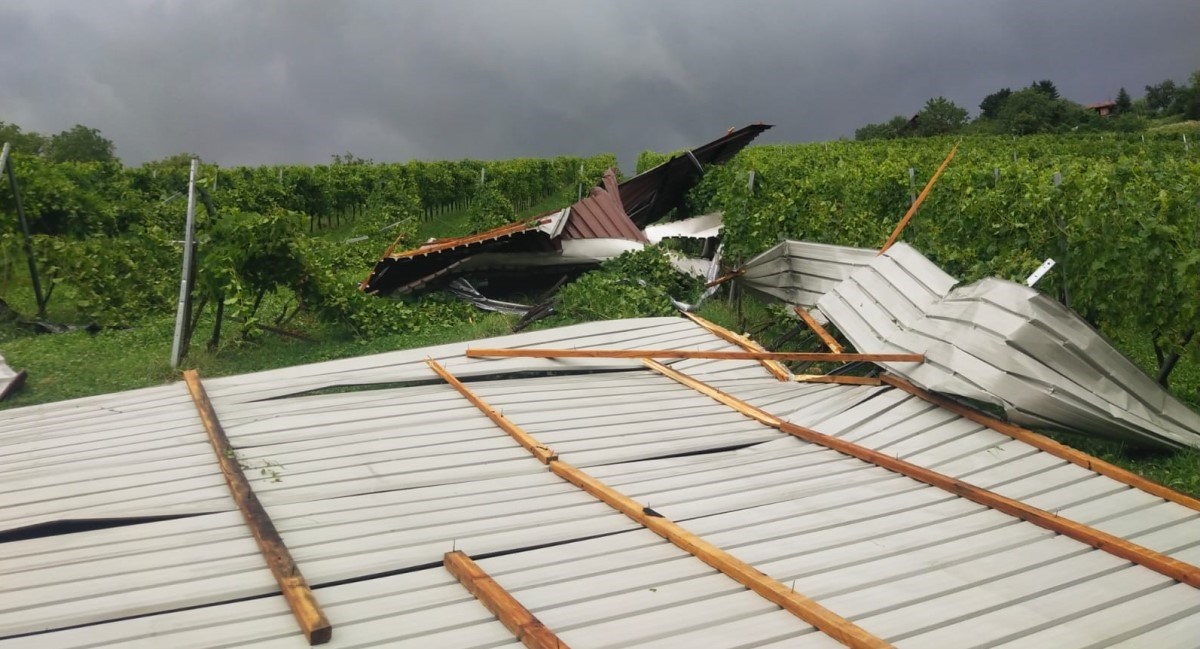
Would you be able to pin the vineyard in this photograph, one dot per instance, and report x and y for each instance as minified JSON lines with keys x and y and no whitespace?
{"x":286,"y":245}
{"x":1121,"y":217}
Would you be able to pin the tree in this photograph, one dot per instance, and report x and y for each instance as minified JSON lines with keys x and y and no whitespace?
{"x":990,"y":106}
{"x":1124,"y":103}
{"x":1187,"y":100}
{"x":1160,"y":97}
{"x":22,"y":141}
{"x":940,"y":116}
{"x":1046,"y":87}
{"x":888,"y":130}
{"x":80,"y":144}
{"x":1033,"y":111}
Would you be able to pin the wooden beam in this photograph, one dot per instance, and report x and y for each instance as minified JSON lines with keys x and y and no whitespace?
{"x":745,"y":574}
{"x":838,"y":378}
{"x":515,"y":617}
{"x":1115,"y":545}
{"x":1041,"y":442}
{"x":828,"y":622}
{"x":917,"y":203}
{"x":541,"y":452}
{"x":775,"y":368}
{"x":295,"y":589}
{"x":725,"y":278}
{"x":694,"y":353}
{"x":821,"y":332}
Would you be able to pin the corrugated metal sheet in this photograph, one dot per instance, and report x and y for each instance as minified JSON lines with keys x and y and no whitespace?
{"x":799,"y":272}
{"x":143,"y":453}
{"x":705,"y":226}
{"x":650,"y":195}
{"x":1006,"y":344}
{"x":376,"y":485}
{"x":601,"y":216}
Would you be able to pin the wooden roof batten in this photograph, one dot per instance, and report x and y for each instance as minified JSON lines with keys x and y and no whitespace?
{"x":510,"y":612}
{"x":826,"y":621}
{"x":1043,"y":443}
{"x":292,"y":585}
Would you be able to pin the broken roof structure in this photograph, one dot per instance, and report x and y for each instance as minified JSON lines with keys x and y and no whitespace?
{"x":582,"y":502}
{"x":602,"y":225}
{"x":994,"y":341}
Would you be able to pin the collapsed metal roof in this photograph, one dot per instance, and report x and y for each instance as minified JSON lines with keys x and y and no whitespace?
{"x":611,"y":213}
{"x":650,"y":195}
{"x":994,"y":341}
{"x":371,"y":488}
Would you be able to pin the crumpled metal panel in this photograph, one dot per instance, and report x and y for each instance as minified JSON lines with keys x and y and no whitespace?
{"x":1002,"y":343}
{"x":601,"y":216}
{"x":800,"y":272}
{"x":705,"y":226}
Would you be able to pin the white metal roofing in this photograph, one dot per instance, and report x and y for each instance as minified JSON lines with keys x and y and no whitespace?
{"x":800,"y":272}
{"x":705,"y":226}
{"x":1004,"y":343}
{"x":993,"y":341}
{"x":375,"y":485}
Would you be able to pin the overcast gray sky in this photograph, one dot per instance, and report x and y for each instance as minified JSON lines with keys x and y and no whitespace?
{"x":269,"y":81}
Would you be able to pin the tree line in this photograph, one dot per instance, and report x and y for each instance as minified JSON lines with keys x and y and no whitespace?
{"x":1038,"y":108}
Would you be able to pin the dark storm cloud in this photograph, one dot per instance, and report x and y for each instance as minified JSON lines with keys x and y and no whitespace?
{"x":242,"y":82}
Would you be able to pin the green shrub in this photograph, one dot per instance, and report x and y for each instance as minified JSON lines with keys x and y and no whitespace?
{"x":635,"y":284}
{"x":490,"y":209}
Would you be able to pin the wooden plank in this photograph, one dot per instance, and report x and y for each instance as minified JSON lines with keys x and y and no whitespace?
{"x":917,"y":203}
{"x":540,"y":451}
{"x":803,"y":607}
{"x":1046,"y":444}
{"x":811,"y":357}
{"x":821,"y":332}
{"x":768,"y":588}
{"x":515,"y":617}
{"x":725,"y":278}
{"x":1156,"y":561}
{"x":837,"y":378}
{"x":287,"y":574}
{"x":745,"y":342}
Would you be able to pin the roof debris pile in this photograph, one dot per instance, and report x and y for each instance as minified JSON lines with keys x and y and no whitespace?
{"x":435,"y":499}
{"x":602,"y":225}
{"x":994,"y":341}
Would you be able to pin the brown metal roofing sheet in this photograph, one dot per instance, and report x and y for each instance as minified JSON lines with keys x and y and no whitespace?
{"x":601,"y":215}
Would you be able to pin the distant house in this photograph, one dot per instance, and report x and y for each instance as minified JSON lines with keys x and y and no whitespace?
{"x":1104,"y":108}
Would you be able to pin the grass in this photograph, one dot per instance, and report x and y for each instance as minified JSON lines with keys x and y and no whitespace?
{"x":78,"y":364}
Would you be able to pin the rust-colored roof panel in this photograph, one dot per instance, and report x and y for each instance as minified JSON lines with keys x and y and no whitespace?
{"x":412,"y":269}
{"x":601,"y":215}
